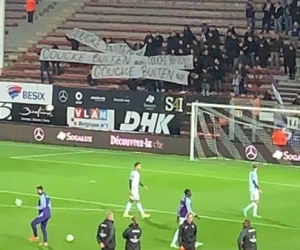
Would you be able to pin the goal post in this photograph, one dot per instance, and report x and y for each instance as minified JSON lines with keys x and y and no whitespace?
{"x":254,"y":131}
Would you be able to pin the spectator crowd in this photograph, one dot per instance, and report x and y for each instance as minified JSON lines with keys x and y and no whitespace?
{"x":224,"y":59}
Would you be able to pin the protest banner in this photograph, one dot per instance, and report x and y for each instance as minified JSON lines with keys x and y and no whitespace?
{"x":144,"y":71}
{"x":174,"y":62}
{"x":91,"y":40}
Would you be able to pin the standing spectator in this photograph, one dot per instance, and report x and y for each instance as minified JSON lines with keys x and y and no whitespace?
{"x":295,"y":33}
{"x":243,"y":74}
{"x":56,"y":69}
{"x":30,"y":8}
{"x":250,"y":14}
{"x":205,"y":78}
{"x":287,"y":16}
{"x":236,"y":83}
{"x":276,"y":48}
{"x":147,"y":37}
{"x":262,"y":50}
{"x":290,"y":54}
{"x":188,"y":35}
{"x":285,"y":54}
{"x":268,"y":9}
{"x":45,"y":67}
{"x":251,"y":50}
{"x":106,"y":235}
{"x":278,"y":14}
{"x":217,"y":76}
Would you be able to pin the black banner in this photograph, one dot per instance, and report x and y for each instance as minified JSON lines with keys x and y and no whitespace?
{"x":109,"y":99}
{"x":31,"y":113}
{"x":148,"y":122}
{"x":94,"y":139}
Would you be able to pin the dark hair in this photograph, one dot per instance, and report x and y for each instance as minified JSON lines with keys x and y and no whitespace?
{"x":40,"y":187}
{"x":187,"y":191}
{"x":255,"y":165}
{"x":136,"y":164}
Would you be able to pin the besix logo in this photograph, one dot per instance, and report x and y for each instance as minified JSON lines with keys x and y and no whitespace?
{"x":16,"y":91}
{"x":135,"y":143}
{"x":285,"y":155}
{"x":251,"y":152}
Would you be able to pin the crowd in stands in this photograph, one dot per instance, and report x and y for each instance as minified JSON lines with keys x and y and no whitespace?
{"x":219,"y":59}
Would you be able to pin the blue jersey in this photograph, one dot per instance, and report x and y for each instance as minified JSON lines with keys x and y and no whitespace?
{"x":253,"y":181}
{"x":44,"y":205}
{"x":185,"y":207}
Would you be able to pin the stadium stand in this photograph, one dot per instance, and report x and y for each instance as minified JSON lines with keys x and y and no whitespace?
{"x":130,"y":21}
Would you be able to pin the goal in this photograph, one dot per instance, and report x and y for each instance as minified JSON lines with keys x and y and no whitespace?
{"x":246,"y":130}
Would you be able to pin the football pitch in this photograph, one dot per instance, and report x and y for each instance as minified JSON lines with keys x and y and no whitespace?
{"x":84,"y":184}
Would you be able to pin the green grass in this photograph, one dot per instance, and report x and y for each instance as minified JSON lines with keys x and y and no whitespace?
{"x":92,"y":183}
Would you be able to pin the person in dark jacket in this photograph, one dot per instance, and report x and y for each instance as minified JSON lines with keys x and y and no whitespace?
{"x":276,"y":48}
{"x":278,"y":14}
{"x":268,"y":9}
{"x":217,"y":76}
{"x":188,"y":233}
{"x":262,"y":50}
{"x":132,"y":236}
{"x":247,"y":238}
{"x":290,"y":55}
{"x":287,"y":16}
{"x":106,"y":235}
{"x":250,"y":14}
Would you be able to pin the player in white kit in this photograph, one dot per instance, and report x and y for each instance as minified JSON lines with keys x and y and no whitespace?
{"x":134,"y":184}
{"x":254,"y":192}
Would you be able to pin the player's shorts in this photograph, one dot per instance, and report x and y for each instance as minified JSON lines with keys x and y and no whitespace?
{"x":254,"y":195}
{"x":135,"y":196}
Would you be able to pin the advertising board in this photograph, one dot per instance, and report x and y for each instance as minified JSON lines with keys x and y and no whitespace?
{"x":95,"y":139}
{"x":29,"y":93}
{"x":91,"y":118}
{"x":110,"y":99}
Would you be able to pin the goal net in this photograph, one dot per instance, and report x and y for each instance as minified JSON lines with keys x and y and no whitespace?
{"x":246,"y":130}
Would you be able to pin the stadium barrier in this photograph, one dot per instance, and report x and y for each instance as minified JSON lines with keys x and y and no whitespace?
{"x":63,"y":136}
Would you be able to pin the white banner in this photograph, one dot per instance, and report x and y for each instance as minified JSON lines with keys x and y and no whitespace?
{"x":175,"y":62}
{"x":145,"y":72}
{"x":91,"y":118}
{"x":91,"y":40}
{"x":28,"y":93}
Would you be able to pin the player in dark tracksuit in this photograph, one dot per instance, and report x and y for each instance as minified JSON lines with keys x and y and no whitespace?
{"x":132,"y":236}
{"x":44,"y":208}
{"x":247,"y":238}
{"x":106,"y":233}
{"x":188,"y":233}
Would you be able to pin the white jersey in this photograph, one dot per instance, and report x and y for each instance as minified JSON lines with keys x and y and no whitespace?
{"x":135,"y":184}
{"x":253,"y":181}
{"x":135,"y":180}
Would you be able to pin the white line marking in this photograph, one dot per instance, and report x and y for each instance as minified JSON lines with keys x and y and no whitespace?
{"x":161,"y":171}
{"x":54,"y":154}
{"x":150,"y":210}
{"x":55,"y":208}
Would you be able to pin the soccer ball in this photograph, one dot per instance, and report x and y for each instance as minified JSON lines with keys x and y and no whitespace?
{"x":69,"y":238}
{"x":49,"y":108}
